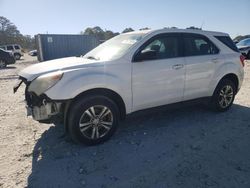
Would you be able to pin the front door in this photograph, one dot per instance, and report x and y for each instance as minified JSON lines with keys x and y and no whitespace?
{"x":158,"y":72}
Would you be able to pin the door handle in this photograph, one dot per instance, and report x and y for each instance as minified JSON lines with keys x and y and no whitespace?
{"x":177,"y":66}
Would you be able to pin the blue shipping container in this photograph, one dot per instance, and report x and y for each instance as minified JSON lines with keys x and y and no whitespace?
{"x":53,"y":46}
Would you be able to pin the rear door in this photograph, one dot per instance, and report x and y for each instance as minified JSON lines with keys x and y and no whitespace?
{"x":160,"y":79}
{"x":201,"y":59}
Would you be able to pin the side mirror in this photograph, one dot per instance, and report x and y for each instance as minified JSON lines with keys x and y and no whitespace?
{"x":145,"y":55}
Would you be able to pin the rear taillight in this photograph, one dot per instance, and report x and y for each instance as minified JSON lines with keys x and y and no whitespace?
{"x":242,"y":59}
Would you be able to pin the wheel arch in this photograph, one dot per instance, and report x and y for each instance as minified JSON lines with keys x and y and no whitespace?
{"x":96,"y":91}
{"x":232,"y":77}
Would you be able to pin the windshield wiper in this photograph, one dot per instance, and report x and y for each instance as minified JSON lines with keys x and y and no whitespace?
{"x":92,"y":57}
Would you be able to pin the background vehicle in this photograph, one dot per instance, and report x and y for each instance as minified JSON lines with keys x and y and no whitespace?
{"x":244,"y":47}
{"x":6,"y":58}
{"x":15,"y":48}
{"x":33,"y":53}
{"x":131,"y":72}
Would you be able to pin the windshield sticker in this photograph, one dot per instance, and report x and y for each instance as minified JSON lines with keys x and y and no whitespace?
{"x":129,"y":41}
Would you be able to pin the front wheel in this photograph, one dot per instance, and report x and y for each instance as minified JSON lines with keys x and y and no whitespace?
{"x":2,"y":64}
{"x":93,"y":120}
{"x":224,"y":95}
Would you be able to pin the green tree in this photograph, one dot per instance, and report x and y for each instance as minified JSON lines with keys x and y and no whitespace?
{"x":144,"y":28}
{"x":240,"y":37}
{"x":126,"y":30}
{"x":193,"y":27}
{"x":9,"y":34}
{"x":99,"y":33}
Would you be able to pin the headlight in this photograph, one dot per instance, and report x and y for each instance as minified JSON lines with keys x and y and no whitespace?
{"x":44,"y":82}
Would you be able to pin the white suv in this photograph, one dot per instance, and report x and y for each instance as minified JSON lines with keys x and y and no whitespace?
{"x":15,"y":49}
{"x":131,"y":72}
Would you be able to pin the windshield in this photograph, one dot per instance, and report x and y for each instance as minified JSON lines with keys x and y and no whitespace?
{"x":115,"y":47}
{"x":245,"y":42}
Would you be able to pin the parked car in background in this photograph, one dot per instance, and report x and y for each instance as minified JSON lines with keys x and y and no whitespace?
{"x":33,"y":53}
{"x":15,"y":48}
{"x":131,"y":72}
{"x":6,"y":58}
{"x":244,"y":47}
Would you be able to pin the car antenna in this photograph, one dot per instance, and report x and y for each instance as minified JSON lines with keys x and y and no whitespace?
{"x":202,"y":24}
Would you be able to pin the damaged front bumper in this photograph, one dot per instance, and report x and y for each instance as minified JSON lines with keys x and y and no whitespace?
{"x":41,"y":108}
{"x":43,"y":112}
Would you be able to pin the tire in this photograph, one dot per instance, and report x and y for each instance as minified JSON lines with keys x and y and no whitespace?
{"x":223,"y":96}
{"x":2,"y":64}
{"x":17,"y":56}
{"x":93,"y":129}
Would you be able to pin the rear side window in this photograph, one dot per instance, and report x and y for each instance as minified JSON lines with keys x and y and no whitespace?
{"x":226,"y":40}
{"x":17,"y":47}
{"x":195,"y":45}
{"x":10,"y":48}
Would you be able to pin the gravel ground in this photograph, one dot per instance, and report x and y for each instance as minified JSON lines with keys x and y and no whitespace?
{"x":187,"y":146}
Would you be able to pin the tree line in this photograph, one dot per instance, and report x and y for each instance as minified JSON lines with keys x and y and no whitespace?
{"x":9,"y":34}
{"x":103,"y":35}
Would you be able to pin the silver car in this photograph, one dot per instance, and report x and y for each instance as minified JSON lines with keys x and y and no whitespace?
{"x":244,"y":47}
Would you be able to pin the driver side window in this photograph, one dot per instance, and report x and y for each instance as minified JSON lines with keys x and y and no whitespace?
{"x":162,"y":47}
{"x":156,"y":45}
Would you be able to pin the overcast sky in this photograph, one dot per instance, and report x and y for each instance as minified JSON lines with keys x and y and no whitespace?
{"x":71,"y":16}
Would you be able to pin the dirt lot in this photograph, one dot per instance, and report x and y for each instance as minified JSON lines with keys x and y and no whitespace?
{"x":188,"y":146}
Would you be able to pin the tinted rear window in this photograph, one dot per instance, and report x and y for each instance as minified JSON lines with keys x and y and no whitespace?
{"x":228,"y":42}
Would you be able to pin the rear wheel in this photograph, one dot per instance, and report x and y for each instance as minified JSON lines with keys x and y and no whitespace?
{"x":17,"y":56}
{"x":93,"y":120}
{"x":224,"y":95}
{"x":2,"y":64}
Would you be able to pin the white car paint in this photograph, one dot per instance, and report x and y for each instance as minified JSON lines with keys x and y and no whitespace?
{"x":145,"y":84}
{"x":160,"y":79}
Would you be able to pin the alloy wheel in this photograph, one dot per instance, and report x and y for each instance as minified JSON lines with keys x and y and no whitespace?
{"x":226,"y":96}
{"x":96,"y":122}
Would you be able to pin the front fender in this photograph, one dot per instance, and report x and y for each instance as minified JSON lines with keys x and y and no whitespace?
{"x":75,"y":82}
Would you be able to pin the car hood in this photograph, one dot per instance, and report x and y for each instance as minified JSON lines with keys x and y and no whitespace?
{"x":64,"y":64}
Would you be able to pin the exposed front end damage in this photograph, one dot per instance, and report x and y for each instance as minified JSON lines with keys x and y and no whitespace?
{"x":41,"y":108}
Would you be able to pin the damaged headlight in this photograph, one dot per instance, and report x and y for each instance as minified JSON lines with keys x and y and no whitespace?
{"x":44,"y":82}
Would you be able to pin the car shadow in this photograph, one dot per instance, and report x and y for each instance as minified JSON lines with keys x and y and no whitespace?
{"x":8,"y":67}
{"x":177,"y":147}
{"x":9,"y":77}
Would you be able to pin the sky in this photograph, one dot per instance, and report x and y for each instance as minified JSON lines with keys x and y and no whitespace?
{"x":72,"y":16}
